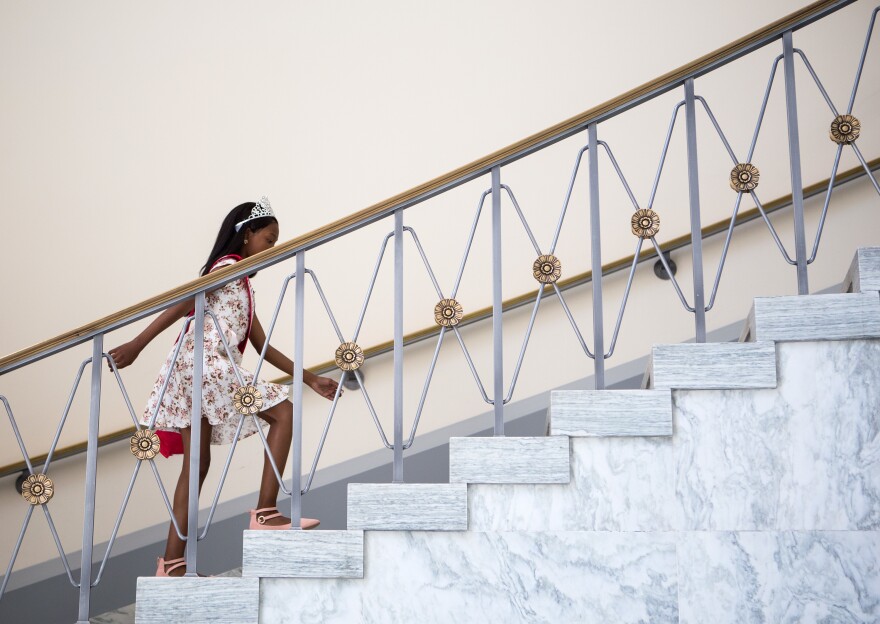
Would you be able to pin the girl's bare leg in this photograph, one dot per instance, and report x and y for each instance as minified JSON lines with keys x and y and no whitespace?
{"x":175,"y":547}
{"x":280,"y":419}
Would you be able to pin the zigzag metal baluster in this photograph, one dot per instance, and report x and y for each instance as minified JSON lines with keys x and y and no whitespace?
{"x":457,"y":284}
{"x":354,"y":372}
{"x":262,"y":357}
{"x":636,"y":255}
{"x":737,"y":204}
{"x":558,"y":231}
{"x":152,"y":424}
{"x":383,"y":247}
{"x":849,"y":108}
{"x":538,"y":299}
{"x":650,"y":205}
{"x":44,"y":505}
{"x":134,"y":475}
{"x":861,"y":65}
{"x":237,"y":437}
{"x":30,"y":508}
{"x":555,"y":287}
{"x":762,"y":111}
{"x":851,"y":143}
{"x":433,"y":364}
{"x":444,"y":328}
{"x":837,"y":155}
{"x":342,"y":379}
{"x":242,"y":417}
{"x":48,"y":462}
{"x":470,"y":241}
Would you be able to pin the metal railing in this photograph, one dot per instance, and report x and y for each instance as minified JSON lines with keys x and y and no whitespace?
{"x":448,"y":312}
{"x":510,"y":304}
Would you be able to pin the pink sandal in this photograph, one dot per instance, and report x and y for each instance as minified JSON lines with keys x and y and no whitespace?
{"x":174,"y":563}
{"x":259,"y":517}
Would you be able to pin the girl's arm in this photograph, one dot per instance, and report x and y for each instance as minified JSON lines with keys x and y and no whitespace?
{"x":127,"y":353}
{"x":324,"y":386}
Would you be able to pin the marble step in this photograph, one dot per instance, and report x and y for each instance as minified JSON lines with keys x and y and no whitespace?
{"x":815,"y":317}
{"x":196,"y":600}
{"x":604,"y":413}
{"x":509,"y":460}
{"x":724,"y":365}
{"x":407,"y":506}
{"x":540,"y":577}
{"x":305,"y":554}
{"x":864,"y":272}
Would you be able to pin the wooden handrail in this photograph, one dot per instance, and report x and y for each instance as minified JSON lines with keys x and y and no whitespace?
{"x":485,"y":313}
{"x":553,"y":134}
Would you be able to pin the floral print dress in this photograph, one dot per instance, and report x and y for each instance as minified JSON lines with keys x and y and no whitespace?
{"x":232,"y":304}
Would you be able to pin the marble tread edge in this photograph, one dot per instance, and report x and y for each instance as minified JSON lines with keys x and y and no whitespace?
{"x":303,"y":554}
{"x":212,"y":600}
{"x":407,"y":506}
{"x":713,"y":366}
{"x":611,"y":413}
{"x":847,"y":316}
{"x":864,"y":271}
{"x":509,"y":460}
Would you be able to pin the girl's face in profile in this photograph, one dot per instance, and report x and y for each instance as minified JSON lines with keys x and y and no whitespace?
{"x":260,"y":240}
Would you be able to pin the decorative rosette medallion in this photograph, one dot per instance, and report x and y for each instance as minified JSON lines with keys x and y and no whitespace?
{"x":37,"y":489}
{"x":247,"y":400}
{"x":547,"y":269}
{"x":845,"y":129}
{"x":645,"y":223}
{"x":349,"y":356}
{"x":744,"y":177}
{"x":448,"y":313}
{"x":144,"y":444}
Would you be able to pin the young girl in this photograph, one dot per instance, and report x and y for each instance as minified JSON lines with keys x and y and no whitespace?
{"x":248,"y":229}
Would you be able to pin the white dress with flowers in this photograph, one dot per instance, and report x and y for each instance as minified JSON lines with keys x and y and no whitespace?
{"x":232,"y":304}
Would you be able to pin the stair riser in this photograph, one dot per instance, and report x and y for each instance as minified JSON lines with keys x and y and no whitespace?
{"x":803,"y":456}
{"x":618,"y":484}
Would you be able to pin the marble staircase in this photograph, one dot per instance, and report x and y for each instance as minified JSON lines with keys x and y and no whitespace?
{"x":741,"y":484}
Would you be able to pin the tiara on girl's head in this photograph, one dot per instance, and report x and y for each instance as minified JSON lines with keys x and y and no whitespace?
{"x":262,"y":209}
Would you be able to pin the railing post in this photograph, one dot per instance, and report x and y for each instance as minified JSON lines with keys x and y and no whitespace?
{"x":192,"y":525}
{"x":88,"y":536}
{"x":497,"y":303}
{"x":794,"y":158}
{"x":596,"y":261}
{"x":298,"y":349}
{"x":398,"y":347}
{"x":696,"y":227}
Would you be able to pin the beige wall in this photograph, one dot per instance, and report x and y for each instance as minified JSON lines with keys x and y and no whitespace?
{"x":130,"y":130}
